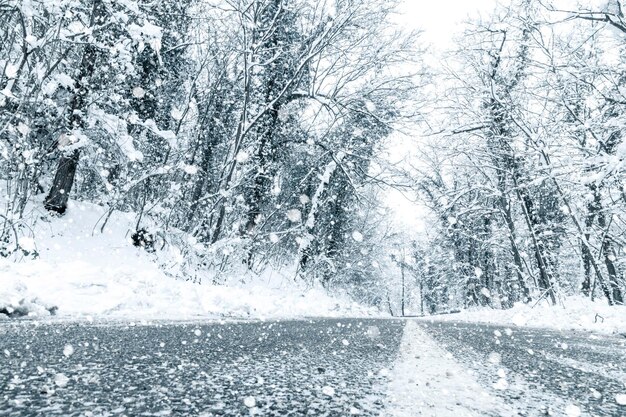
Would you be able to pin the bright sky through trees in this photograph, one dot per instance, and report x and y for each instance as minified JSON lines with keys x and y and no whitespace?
{"x":440,"y":19}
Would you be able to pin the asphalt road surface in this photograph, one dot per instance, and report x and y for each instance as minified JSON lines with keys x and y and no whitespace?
{"x":289,"y":368}
{"x":318,"y":367}
{"x":538,"y":371}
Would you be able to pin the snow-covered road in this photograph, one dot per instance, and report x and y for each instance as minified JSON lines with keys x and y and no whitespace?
{"x":323,"y":367}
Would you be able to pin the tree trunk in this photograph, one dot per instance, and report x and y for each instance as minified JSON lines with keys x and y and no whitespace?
{"x":545,"y":278}
{"x":517,"y":257}
{"x":266,"y":155}
{"x":56,"y":200}
{"x":611,"y":289}
{"x":62,"y":185}
{"x":403,"y":289}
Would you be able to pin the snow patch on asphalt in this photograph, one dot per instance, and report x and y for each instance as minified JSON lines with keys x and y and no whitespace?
{"x":427,"y":381}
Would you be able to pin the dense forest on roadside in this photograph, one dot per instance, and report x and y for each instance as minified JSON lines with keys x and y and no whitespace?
{"x":255,"y":132}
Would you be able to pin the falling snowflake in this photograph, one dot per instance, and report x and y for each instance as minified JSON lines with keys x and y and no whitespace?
{"x":68,"y":350}
{"x":190,"y":169}
{"x":330,"y":391}
{"x":620,"y":399}
{"x":572,"y":411}
{"x":294,"y":215}
{"x":139,"y":92}
{"x":23,"y":129}
{"x":373,"y":332}
{"x":357,"y":236}
{"x":495,"y":358}
{"x":249,"y":401}
{"x":10,"y":71}
{"x":501,"y":385}
{"x":61,"y":380}
{"x":176,"y":114}
{"x":242,"y":157}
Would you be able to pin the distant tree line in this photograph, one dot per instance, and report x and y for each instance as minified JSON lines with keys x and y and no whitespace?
{"x":525,"y":182}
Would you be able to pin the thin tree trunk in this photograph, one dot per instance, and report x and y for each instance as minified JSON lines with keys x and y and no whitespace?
{"x":517,"y":257}
{"x":612,"y":290}
{"x":545,"y":279}
{"x":583,"y":235}
{"x":403,"y":290}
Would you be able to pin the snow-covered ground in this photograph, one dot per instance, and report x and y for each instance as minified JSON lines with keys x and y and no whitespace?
{"x":572,"y":313}
{"x":81,"y":272}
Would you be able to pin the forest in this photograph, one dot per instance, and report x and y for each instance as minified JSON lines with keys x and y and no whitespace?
{"x":255,"y":135}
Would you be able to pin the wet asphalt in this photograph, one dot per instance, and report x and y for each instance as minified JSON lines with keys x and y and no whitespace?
{"x":541,"y":372}
{"x":322,"y":367}
{"x":284,"y":368}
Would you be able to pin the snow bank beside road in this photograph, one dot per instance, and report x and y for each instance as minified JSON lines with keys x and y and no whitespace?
{"x":80,"y":289}
{"x":573,"y":313}
{"x":83,"y":272}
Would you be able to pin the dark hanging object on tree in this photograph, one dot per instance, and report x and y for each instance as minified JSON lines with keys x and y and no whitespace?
{"x":143,"y":239}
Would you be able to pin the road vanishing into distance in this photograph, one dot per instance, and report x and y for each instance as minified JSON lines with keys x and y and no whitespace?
{"x":318,"y":367}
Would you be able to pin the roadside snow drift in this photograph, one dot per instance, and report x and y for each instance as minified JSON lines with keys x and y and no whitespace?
{"x":572,"y":313}
{"x":81,"y":272}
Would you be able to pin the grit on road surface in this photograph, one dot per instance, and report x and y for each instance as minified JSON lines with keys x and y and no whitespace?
{"x":538,"y":371}
{"x":323,"y":367}
{"x":320,"y":367}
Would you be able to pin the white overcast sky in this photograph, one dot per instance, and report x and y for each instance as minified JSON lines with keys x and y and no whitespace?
{"x":440,"y":19}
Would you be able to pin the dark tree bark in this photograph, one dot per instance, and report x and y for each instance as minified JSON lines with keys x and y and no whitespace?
{"x":517,"y":257}
{"x":263,"y":178}
{"x":533,"y":223}
{"x":62,"y":185}
{"x":610,"y":289}
{"x":56,"y":200}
